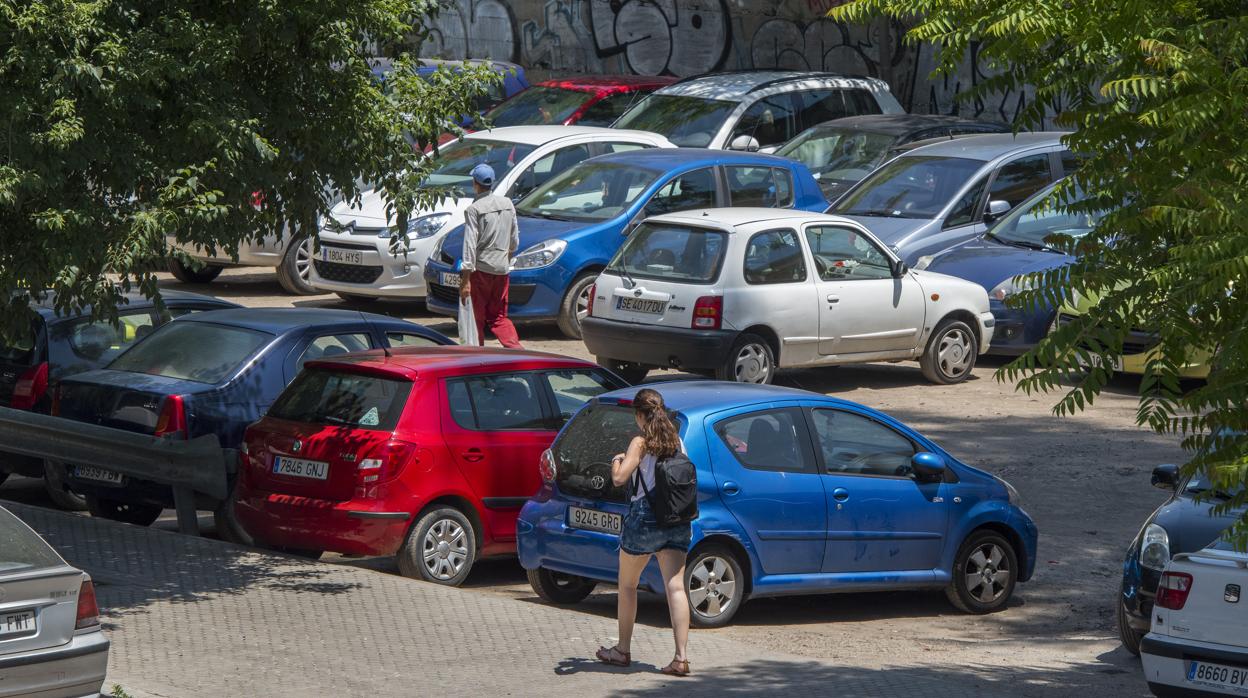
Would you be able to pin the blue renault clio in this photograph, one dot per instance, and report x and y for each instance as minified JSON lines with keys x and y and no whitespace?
{"x":798,"y":493}
{"x":571,"y":227}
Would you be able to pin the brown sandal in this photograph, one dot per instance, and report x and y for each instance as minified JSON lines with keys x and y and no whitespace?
{"x":678,"y":667}
{"x":608,"y":655}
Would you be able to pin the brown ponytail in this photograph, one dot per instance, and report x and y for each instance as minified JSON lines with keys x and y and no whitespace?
{"x":657,"y":427}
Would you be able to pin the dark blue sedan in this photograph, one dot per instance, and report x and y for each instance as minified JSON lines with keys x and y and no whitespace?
{"x":210,"y":373}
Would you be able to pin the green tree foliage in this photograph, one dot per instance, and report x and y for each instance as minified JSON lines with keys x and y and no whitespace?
{"x":1156,"y":93}
{"x":124,"y":121}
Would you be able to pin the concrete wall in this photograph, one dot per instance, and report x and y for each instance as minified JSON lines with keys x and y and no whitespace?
{"x":688,"y":37}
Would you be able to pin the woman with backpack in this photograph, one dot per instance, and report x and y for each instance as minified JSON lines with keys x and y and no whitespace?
{"x":658,"y":448}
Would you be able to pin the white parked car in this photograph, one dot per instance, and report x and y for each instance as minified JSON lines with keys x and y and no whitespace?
{"x":1198,"y":644}
{"x":359,"y":255}
{"x":289,"y":256}
{"x":742,"y":292}
{"x":50,"y":640}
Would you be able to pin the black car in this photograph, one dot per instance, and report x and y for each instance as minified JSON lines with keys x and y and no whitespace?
{"x":1182,"y":524}
{"x":60,"y":346}
{"x":842,"y":151}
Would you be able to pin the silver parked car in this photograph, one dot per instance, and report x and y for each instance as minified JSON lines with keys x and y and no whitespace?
{"x":928,"y":199}
{"x":50,"y":640}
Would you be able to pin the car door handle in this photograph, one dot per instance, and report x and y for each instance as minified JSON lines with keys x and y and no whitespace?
{"x":834,"y":299}
{"x":730,"y":488}
{"x":840,"y":494}
{"x":473,"y":455}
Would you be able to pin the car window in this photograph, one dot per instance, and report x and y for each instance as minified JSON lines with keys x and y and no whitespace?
{"x":203,"y":352}
{"x":818,"y":106}
{"x":768,"y":440}
{"x":1020,"y":179}
{"x":774,"y":257}
{"x":688,"y":191}
{"x":331,"y":345}
{"x":841,"y":156}
{"x":343,"y":399}
{"x":98,"y":341}
{"x":23,"y":549}
{"x":916,"y":187}
{"x":591,"y":191}
{"x":407,"y":339}
{"x":624,"y":147}
{"x":843,"y":254}
{"x":771,"y":121}
{"x":547,"y":167}
{"x":966,"y":209}
{"x":584,"y":450}
{"x":769,"y":187}
{"x":855,"y":445}
{"x":689,"y":122}
{"x":505,"y":402}
{"x":859,"y":101}
{"x":537,"y":105}
{"x":175,"y":313}
{"x":605,"y":111}
{"x":674,"y":253}
{"x":573,"y":388}
{"x":21,"y":350}
{"x":1070,"y":162}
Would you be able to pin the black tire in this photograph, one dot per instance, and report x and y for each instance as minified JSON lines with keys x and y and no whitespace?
{"x":452,"y":540}
{"x":752,"y":360}
{"x":205,"y":273}
{"x":125,"y":512}
{"x":353,"y":298}
{"x":711,"y":568}
{"x":632,"y":373}
{"x":559,"y":588}
{"x":950,"y":353}
{"x":54,"y":483}
{"x":296,"y":267}
{"x":976,"y":586}
{"x":1130,"y":636}
{"x":229,"y":528}
{"x":295,"y":552}
{"x":574,"y":307}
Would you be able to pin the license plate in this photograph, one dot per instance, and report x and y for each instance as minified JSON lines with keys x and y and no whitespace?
{"x":449,"y":279}
{"x":640,"y":305}
{"x":1096,"y":361}
{"x":90,"y":472}
{"x":1218,"y":676}
{"x":17,"y":623}
{"x":595,"y":520}
{"x":314,"y":469}
{"x":341,"y":256}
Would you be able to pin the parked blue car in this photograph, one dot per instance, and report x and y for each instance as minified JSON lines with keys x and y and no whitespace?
{"x":571,"y":227}
{"x":1014,"y":246}
{"x":210,"y":373}
{"x":798,"y":493}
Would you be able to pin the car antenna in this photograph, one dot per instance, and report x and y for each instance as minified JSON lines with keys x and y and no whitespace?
{"x":384,"y":348}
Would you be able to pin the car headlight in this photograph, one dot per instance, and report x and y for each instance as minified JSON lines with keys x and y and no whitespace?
{"x":923,"y":262}
{"x":1015,"y":498}
{"x":436,"y":253}
{"x":1155,"y":548}
{"x":427,"y":226}
{"x":1009,"y":287}
{"x":543,"y":254}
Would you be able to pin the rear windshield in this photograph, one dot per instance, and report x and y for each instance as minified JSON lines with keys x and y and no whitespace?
{"x":584,"y":451}
{"x":343,"y":399}
{"x":672,"y":253}
{"x":537,"y":105}
{"x":22,"y":351}
{"x":21,"y":548}
{"x":203,"y":352}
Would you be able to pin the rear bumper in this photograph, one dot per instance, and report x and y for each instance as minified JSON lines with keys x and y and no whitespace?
{"x":74,"y":669}
{"x":1168,"y":662}
{"x":653,"y":345}
{"x":351,"y":527}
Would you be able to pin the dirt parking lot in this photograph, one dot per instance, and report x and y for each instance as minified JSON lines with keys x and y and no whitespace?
{"x":1085,"y":480}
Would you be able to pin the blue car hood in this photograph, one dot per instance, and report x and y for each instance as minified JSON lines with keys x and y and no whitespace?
{"x":988,"y":263}
{"x":532,"y":231}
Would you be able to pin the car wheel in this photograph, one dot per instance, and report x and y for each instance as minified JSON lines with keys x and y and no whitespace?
{"x":296,"y":268}
{"x":440,"y":548}
{"x":575,"y":306}
{"x":984,"y":573}
{"x":1130,"y":636}
{"x":229,"y":528}
{"x":125,"y":512}
{"x":632,"y":373}
{"x":58,"y":491}
{"x":560,"y":588}
{"x":716,"y":586}
{"x":190,"y":275}
{"x":750,"y":361}
{"x":950,"y":354}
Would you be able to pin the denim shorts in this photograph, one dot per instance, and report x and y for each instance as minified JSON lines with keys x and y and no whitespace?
{"x":642,"y":534}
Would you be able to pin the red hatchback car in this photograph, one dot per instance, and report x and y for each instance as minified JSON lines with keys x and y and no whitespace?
{"x":583,"y":100}
{"x":427,"y":454}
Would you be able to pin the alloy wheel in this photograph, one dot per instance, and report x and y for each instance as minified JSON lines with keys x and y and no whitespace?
{"x":953,"y":354}
{"x":712,"y":587}
{"x":987,"y":573}
{"x":445,"y":549}
{"x":582,"y":304}
{"x":303,"y":259}
{"x":753,"y":364}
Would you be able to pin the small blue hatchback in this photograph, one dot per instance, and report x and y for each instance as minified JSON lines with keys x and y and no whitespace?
{"x":571,"y":226}
{"x":798,"y":493}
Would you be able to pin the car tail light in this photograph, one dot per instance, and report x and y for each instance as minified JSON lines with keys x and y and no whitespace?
{"x":589,"y":309}
{"x":30,"y":387}
{"x":1173,"y":590}
{"x":384,"y":462}
{"x":546,"y":466}
{"x":88,"y":609}
{"x":708,"y":313}
{"x":172,"y":419}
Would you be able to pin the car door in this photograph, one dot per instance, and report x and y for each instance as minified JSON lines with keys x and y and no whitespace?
{"x":880,"y":518}
{"x":863,"y":307}
{"x":778,"y":292}
{"x":690,"y":190}
{"x":765,"y":472}
{"x":546,"y":167}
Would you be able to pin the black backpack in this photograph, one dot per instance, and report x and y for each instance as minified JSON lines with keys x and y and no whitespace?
{"x":675,"y":496}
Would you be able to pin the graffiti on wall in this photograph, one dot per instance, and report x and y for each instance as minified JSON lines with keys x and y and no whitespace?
{"x":662,"y":37}
{"x":473,"y":29}
{"x":941,"y":94}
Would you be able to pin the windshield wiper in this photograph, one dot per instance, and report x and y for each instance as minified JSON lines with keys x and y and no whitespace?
{"x":1217,"y":494}
{"x":1022,"y":243}
{"x":553,"y":216}
{"x":877,"y":212}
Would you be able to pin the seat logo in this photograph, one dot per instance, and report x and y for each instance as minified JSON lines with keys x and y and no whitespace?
{"x":297,"y":446}
{"x":597,"y":482}
{"x":1232,"y":593}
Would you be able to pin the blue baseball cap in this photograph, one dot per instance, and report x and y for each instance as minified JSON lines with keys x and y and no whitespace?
{"x":483,"y":174}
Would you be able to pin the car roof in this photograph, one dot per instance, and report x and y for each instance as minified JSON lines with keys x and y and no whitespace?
{"x":730,"y":219}
{"x":988,"y":146}
{"x":46,"y":307}
{"x":408,"y":361}
{"x":279,"y":320}
{"x":733,"y":85}
{"x":540,"y":135}
{"x":900,"y":124}
{"x":608,"y":83}
{"x":665,"y":159}
{"x":692,"y":397}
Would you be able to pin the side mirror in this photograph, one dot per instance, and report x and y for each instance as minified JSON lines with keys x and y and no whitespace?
{"x":1166,"y":477}
{"x":928,"y":466}
{"x":746,"y":143}
{"x":899,"y":269}
{"x":996,"y":209}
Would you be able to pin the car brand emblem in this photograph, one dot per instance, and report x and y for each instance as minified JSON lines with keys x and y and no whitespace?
{"x":1232,"y":593}
{"x":297,"y":446}
{"x":637,"y":292}
{"x":597,"y":482}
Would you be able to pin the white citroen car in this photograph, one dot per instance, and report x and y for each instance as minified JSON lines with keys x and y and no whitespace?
{"x":360,"y":256}
{"x":743,"y":292}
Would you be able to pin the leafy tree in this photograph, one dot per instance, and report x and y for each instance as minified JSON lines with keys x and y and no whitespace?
{"x":127,"y":120}
{"x":1157,"y":96}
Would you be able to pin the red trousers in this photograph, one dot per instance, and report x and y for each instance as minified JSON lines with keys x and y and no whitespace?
{"x":489,"y":307}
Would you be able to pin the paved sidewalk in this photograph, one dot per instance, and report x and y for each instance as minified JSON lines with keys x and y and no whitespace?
{"x":195,"y":617}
